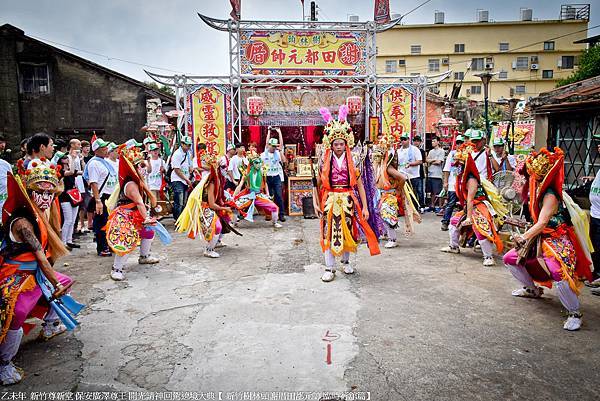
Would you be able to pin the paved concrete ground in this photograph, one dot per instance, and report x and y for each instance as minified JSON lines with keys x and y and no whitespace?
{"x":411,"y":324}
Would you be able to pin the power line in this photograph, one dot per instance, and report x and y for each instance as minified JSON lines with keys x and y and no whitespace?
{"x":416,"y":8}
{"x":109,"y":58}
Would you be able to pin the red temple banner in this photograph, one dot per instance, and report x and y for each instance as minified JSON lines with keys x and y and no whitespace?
{"x":382,"y":11}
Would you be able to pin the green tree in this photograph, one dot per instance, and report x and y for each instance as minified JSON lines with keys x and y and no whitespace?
{"x":589,"y":66}
{"x":167,"y":90}
{"x":494,"y":114}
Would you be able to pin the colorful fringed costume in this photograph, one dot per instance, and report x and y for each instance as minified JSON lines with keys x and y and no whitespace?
{"x":395,"y":194}
{"x":253,"y":197}
{"x":560,"y":253}
{"x":488,"y":208}
{"x":198,"y":217}
{"x":126,"y":228}
{"x":25,"y":281}
{"x":342,"y":211}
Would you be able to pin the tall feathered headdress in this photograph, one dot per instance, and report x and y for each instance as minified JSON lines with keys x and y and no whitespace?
{"x":337,"y":129}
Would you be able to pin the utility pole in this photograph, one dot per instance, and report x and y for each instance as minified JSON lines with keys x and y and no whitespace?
{"x":313,"y":11}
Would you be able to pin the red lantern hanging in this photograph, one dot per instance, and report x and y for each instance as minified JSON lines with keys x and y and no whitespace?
{"x":354,"y":104}
{"x":255,"y":106}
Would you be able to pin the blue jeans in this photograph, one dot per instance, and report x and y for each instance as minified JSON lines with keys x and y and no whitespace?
{"x":417,"y":184}
{"x":99,"y":222}
{"x":179,"y":197}
{"x":276,"y":190}
{"x":595,"y":238}
{"x":452,"y":201}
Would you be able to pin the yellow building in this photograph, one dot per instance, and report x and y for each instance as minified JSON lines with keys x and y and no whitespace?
{"x":529,"y":56}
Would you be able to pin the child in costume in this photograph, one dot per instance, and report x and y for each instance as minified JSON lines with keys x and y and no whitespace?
{"x":483,"y":208}
{"x":396,"y":197}
{"x":557,"y":247}
{"x":129,"y":222}
{"x":256,"y":194}
{"x":205,"y":213}
{"x":29,"y":285}
{"x":337,"y":205}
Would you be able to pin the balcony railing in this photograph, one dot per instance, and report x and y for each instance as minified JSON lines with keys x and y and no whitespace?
{"x":575,"y":12}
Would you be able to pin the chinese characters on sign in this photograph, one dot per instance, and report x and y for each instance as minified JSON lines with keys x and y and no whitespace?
{"x":210,"y":119}
{"x":397,"y":111}
{"x":524,"y":135}
{"x":267,"y":52}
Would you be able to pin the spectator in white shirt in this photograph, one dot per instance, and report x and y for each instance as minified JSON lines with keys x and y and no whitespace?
{"x":181,"y":163}
{"x":224,"y":165}
{"x":435,"y":161}
{"x":237,"y":162}
{"x":409,"y":161}
{"x":273,"y":160}
{"x":501,"y":160}
{"x":156,"y":170}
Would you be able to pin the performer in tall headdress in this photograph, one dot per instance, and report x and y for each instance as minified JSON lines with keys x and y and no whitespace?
{"x":396,"y":197}
{"x":255,"y":195}
{"x":205,"y":212}
{"x":340,"y":210}
{"x":483,"y":208}
{"x":130,"y":223}
{"x":557,"y":247}
{"x":27,"y":277}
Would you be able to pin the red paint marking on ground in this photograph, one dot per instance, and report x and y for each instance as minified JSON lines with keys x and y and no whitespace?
{"x":328,"y":354}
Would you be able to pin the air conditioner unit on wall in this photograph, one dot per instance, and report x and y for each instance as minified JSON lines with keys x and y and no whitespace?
{"x":514,"y":65}
{"x":445,"y":61}
{"x":535,"y":66}
{"x":489,"y":66}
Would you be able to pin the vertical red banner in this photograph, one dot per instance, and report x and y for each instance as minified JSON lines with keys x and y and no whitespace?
{"x":236,"y":9}
{"x":382,"y":11}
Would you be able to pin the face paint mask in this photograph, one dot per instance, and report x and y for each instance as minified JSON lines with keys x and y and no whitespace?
{"x":42,"y":199}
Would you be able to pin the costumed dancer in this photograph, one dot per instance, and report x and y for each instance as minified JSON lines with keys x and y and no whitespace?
{"x":256,"y":194}
{"x":483,"y":208}
{"x":129,"y":222}
{"x":27,"y":278}
{"x":204,"y":213}
{"x":338,"y":207}
{"x":396,"y":197}
{"x":557,"y":247}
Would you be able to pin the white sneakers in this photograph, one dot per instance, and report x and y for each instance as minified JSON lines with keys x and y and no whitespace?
{"x":148,"y":260}
{"x":390,"y":244}
{"x":117,"y":274}
{"x":451,"y":249}
{"x":573,"y":322}
{"x":528,"y":292}
{"x":211,"y":254}
{"x":348,"y":268}
{"x":488,"y":261}
{"x":220,"y":245}
{"x":328,"y":276}
{"x":52,"y":329}
{"x":10,"y":374}
{"x":277,"y":225}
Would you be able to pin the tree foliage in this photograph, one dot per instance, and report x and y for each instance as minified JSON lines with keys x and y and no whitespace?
{"x":167,"y":90}
{"x":589,"y":66}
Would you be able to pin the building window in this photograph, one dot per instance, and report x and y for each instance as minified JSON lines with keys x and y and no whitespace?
{"x":548,"y":45}
{"x":414,"y":74}
{"x":567,"y":62}
{"x":459,"y":48}
{"x":503,"y":46}
{"x":402,"y":63}
{"x":459,"y":76}
{"x":547,"y":74}
{"x":477,"y":64}
{"x":434,"y":64}
{"x":415,"y":49}
{"x":34,"y":78}
{"x":503,"y":75}
{"x":522,"y":63}
{"x":390,"y":66}
{"x":476,"y":90}
{"x":520,"y":89}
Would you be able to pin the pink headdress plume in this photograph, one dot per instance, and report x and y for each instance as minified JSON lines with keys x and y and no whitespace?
{"x":326,"y":114}
{"x":343,"y":113}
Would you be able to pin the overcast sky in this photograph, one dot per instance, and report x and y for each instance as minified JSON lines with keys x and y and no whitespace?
{"x":169,"y":34}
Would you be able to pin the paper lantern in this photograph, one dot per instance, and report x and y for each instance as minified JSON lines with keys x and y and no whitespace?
{"x":354,"y":104}
{"x":255,"y":106}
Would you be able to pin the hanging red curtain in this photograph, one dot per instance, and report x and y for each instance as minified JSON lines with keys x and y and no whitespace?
{"x":310,"y":138}
{"x":255,"y":135}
